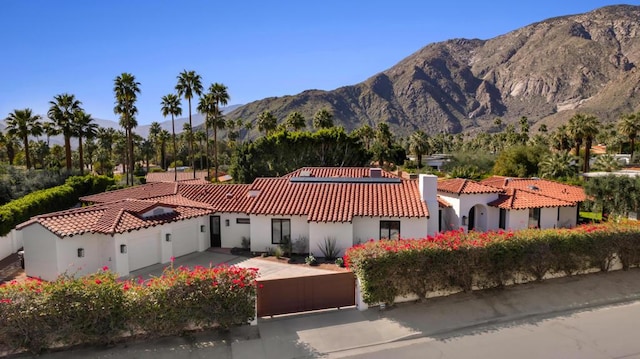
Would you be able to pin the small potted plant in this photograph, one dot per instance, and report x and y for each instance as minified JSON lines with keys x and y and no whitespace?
{"x":340,"y":262}
{"x":311,"y":260}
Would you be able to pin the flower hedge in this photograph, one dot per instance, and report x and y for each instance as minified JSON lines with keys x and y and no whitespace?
{"x":459,"y":260}
{"x":100,"y":309}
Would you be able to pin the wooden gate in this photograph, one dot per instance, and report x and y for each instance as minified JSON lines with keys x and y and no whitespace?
{"x":300,"y":294}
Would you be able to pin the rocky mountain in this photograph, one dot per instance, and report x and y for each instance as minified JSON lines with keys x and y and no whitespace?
{"x":546,"y":71}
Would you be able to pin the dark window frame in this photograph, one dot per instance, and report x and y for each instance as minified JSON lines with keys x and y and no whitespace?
{"x":281,"y":221}
{"x":532,"y":215}
{"x":243,"y":221}
{"x":385,"y":226}
{"x":502,"y":221}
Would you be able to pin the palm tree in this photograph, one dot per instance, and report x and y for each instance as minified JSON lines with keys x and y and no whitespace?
{"x":207,"y":107}
{"x":163,"y":137}
{"x":10,"y":143}
{"x":106,"y":137}
{"x":147,"y":151}
{"x":83,"y":127}
{"x":559,"y":165}
{"x":126,"y":90}
{"x":590,"y":129}
{"x":419,"y":145}
{"x":171,"y":106}
{"x":366,"y":134}
{"x":606,"y":163}
{"x":189,"y":83}
{"x":23,"y":123}
{"x":560,"y":139}
{"x":295,"y":121}
{"x":267,"y":122}
{"x":322,"y":119}
{"x":221,"y":96}
{"x":629,"y":125}
{"x":154,"y":131}
{"x":62,"y":112}
{"x":50,"y":130}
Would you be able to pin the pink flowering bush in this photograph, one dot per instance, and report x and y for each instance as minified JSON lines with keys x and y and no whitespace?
{"x":458,"y":260}
{"x":100,"y":309}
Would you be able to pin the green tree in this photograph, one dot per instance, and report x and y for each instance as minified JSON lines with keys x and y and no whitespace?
{"x":606,"y":163}
{"x":154,"y":132}
{"x":267,"y":122}
{"x":295,"y":121}
{"x":419,"y":145}
{"x":221,"y":98}
{"x":590,"y":129}
{"x":519,"y":161}
{"x":163,"y":137}
{"x":126,"y":90}
{"x":62,"y":112}
{"x":558,"y":165}
{"x":171,"y":107}
{"x":189,"y":84}
{"x":50,"y":129}
{"x":22,"y":124}
{"x":629,"y":125}
{"x":147,"y":152}
{"x":84,"y":127}
{"x":322,"y":119}
{"x":366,"y":134}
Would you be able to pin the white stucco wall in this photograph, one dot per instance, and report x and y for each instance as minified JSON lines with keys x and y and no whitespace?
{"x":486,"y":217}
{"x":185,"y":237}
{"x":260,"y":228}
{"x":568,"y":217}
{"x":93,"y":260}
{"x":549,"y":217}
{"x":319,"y":231}
{"x":40,"y":252}
{"x":517,"y":219}
{"x":10,"y":243}
{"x":231,"y":235}
{"x":365,"y":228}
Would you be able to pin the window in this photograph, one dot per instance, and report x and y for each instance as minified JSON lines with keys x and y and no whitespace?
{"x":534,"y":217}
{"x":243,"y":221}
{"x":280,"y":230}
{"x":503,"y":219}
{"x":80,"y":252}
{"x":123,"y":248}
{"x":390,"y":229}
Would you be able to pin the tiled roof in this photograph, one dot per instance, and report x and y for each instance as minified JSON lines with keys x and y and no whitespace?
{"x":465,"y":186}
{"x":520,"y":199}
{"x":540,"y":186}
{"x":115,"y":217}
{"x":350,"y":172}
{"x":182,"y":176}
{"x":145,"y":191}
{"x":442,"y":203}
{"x":336,"y":202}
{"x":223,"y":198}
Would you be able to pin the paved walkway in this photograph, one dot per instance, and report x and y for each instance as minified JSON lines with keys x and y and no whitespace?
{"x":339,"y":333}
{"x":266,"y":269}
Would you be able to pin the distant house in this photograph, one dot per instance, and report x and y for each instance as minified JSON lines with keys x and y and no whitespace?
{"x":135,"y":227}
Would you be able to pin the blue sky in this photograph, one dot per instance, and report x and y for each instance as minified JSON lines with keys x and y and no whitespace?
{"x":257,"y":48}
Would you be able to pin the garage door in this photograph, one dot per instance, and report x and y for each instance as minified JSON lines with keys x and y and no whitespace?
{"x":143,"y":252}
{"x":185,"y":240}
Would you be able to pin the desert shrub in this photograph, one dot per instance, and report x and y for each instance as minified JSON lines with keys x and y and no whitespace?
{"x":301,"y":245}
{"x":329,"y":248}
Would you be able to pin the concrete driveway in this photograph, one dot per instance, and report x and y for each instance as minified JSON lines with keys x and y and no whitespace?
{"x":266,"y":269}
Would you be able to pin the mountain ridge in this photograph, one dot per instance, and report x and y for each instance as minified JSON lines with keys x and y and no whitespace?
{"x":546,"y":71}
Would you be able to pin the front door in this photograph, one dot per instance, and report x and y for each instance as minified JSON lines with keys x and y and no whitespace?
{"x":472,"y":219}
{"x":214,"y":224}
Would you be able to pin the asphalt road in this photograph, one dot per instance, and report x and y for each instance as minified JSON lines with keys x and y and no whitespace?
{"x":607,"y":332}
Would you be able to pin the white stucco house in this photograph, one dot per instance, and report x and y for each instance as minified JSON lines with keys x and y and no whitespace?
{"x":509,"y":203}
{"x":132,"y":228}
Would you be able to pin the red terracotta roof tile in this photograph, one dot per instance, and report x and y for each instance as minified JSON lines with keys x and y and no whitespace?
{"x":337,"y":202}
{"x":520,"y":199}
{"x":145,"y":191}
{"x":325,"y":172}
{"x":465,"y":186}
{"x":115,"y":217}
{"x":540,"y":186}
{"x":222,"y":197}
{"x":442,"y":203}
{"x":169,"y":176}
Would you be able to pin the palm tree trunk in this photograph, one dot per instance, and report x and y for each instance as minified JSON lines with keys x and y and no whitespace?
{"x":191,"y":142}
{"x":215,"y":152}
{"x":587,"y":149}
{"x":163,"y":156}
{"x":80,"y":152}
{"x":67,"y":152}
{"x":25,"y":139}
{"x":206,"y":127}
{"x":633,"y":145}
{"x":131,"y":159}
{"x":175,"y":151}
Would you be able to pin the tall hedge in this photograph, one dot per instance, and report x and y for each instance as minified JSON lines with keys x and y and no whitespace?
{"x":50,"y":200}
{"x":459,"y":260}
{"x":100,"y":309}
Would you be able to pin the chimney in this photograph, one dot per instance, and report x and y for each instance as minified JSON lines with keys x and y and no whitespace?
{"x":428,"y":186}
{"x":375,"y":172}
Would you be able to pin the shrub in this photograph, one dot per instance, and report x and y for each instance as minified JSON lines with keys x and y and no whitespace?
{"x":100,"y":309}
{"x":246,"y":243}
{"x":339,"y":262}
{"x":278,"y":252}
{"x":329,"y":248}
{"x":458,"y":260}
{"x":301,"y":245}
{"x":311,"y":260}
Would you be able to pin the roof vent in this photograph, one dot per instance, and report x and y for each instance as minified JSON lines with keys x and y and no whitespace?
{"x":535,"y":188}
{"x":229,"y":195}
{"x":305,"y":174}
{"x":253,"y":193}
{"x":375,"y":172}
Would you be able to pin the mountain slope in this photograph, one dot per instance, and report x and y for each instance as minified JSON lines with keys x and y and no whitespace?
{"x":546,"y":71}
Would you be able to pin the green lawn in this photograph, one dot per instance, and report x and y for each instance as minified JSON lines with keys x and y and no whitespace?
{"x":594,"y":216}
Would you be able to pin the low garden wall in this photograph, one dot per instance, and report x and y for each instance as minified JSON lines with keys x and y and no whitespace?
{"x":393,"y":271}
{"x":100,"y":309}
